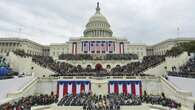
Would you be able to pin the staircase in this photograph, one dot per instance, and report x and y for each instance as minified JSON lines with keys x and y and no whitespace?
{"x":169,"y":62}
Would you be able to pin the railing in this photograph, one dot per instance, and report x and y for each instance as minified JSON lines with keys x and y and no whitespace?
{"x":22,"y":91}
{"x":100,"y":78}
{"x":187,"y":93}
{"x":182,"y":96}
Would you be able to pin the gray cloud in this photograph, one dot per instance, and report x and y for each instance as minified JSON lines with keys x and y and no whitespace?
{"x":53,"y":21}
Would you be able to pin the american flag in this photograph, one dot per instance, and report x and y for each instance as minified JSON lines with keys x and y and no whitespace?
{"x":103,"y":46}
{"x":98,"y":46}
{"x":133,"y":87}
{"x":92,"y":45}
{"x":86,"y":46}
{"x":111,"y":46}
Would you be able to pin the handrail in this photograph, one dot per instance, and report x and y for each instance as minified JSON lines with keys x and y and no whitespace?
{"x":22,"y":90}
{"x":175,"y":88}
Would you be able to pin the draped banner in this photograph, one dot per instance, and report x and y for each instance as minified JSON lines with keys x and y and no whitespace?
{"x":111,"y":46}
{"x":72,"y":87}
{"x":100,"y":46}
{"x":93,"y":46}
{"x":86,"y":46}
{"x":133,"y":87}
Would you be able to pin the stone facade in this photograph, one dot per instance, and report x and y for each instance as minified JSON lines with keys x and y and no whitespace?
{"x":58,"y":49}
{"x":162,"y":47}
{"x":139,"y":49}
{"x":11,"y":44}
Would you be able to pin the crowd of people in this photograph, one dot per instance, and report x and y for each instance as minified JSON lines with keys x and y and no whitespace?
{"x":65,"y":69}
{"x":90,"y":102}
{"x":160,"y":100}
{"x":99,"y":57}
{"x":115,"y":101}
{"x":136,"y":68}
{"x":21,"y":53}
{"x":99,"y":102}
{"x":175,"y":51}
{"x":131,"y":69}
{"x":25,"y":103}
{"x":187,"y":70}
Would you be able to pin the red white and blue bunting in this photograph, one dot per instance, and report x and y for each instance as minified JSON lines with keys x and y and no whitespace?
{"x":72,"y":87}
{"x":126,"y":87}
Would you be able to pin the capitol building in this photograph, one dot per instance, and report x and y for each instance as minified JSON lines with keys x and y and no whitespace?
{"x":97,"y":71}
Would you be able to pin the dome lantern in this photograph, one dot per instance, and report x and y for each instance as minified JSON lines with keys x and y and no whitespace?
{"x":98,"y":8}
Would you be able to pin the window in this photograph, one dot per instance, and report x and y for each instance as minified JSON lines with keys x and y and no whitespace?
{"x":98,"y":52}
{"x":110,"y":51}
{"x":92,"y":51}
{"x":85,"y":52}
{"x":103,"y":51}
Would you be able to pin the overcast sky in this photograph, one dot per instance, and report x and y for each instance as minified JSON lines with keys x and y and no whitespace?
{"x":55,"y":21}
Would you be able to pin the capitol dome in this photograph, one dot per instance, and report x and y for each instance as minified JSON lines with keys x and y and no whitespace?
{"x":98,"y":25}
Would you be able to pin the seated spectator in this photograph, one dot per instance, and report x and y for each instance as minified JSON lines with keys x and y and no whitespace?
{"x":187,"y":70}
{"x":101,"y":57}
{"x":25,"y":103}
{"x":114,"y":101}
{"x":131,"y":69}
